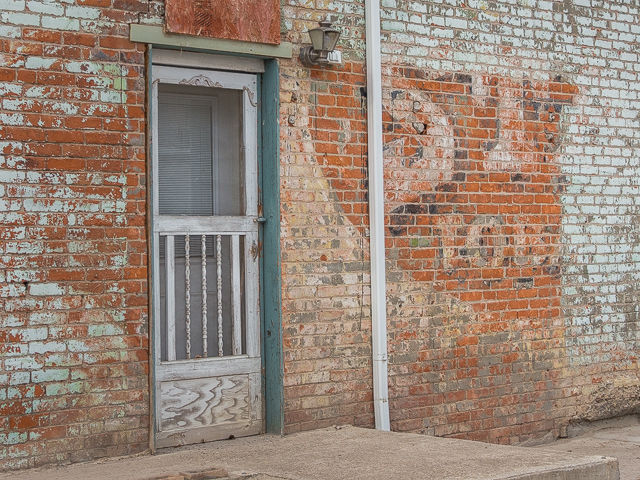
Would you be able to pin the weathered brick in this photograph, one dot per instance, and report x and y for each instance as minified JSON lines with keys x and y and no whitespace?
{"x":510,"y":198}
{"x":437,"y":138}
{"x":42,"y":109}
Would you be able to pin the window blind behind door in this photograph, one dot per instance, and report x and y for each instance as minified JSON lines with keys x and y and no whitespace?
{"x":187,"y":154}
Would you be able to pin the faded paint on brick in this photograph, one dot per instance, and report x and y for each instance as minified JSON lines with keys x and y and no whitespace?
{"x":74,"y":343}
{"x":496,"y":328}
{"x":326,"y":295}
{"x":326,"y":307}
{"x":470,"y":160}
{"x":512,"y":246}
{"x":590,"y":45}
{"x":473,"y":249}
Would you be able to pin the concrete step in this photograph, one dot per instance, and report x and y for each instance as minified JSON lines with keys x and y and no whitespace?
{"x":346,"y":453}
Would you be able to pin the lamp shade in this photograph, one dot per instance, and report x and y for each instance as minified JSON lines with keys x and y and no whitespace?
{"x":317,"y":38}
{"x":324,"y":38}
{"x":331,"y":38}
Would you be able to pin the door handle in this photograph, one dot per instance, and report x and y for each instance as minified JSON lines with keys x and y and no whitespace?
{"x":259,"y":220}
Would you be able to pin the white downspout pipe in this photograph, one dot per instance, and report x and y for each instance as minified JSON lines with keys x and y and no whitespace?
{"x":376,"y":216}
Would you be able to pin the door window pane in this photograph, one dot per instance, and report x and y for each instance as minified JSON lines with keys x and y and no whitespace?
{"x":200,"y":168}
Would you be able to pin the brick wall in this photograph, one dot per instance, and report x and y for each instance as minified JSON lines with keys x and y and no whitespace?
{"x":474,"y":255}
{"x":325,"y":268}
{"x":454,"y":232}
{"x":511,"y":187}
{"x":600,"y":222}
{"x":73,"y":289}
{"x":511,"y":182}
{"x":510,"y":190}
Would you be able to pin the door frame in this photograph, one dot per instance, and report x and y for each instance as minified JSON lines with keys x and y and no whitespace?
{"x":269,"y":232}
{"x":270,"y":261}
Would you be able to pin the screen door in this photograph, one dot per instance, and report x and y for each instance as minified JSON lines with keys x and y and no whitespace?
{"x":205,"y":256}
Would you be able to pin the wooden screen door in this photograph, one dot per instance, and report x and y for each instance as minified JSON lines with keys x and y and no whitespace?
{"x":205,"y":256}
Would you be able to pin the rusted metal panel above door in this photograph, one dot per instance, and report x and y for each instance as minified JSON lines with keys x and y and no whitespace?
{"x":247,"y":20}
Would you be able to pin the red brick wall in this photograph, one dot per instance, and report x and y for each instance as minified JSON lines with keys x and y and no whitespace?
{"x":73,"y":288}
{"x":511,"y":194}
{"x":512,"y":252}
{"x":326,"y":309}
{"x":476,"y":329}
{"x":472,"y":195}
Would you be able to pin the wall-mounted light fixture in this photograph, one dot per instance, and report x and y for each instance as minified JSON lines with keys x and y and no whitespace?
{"x":324,"y":39}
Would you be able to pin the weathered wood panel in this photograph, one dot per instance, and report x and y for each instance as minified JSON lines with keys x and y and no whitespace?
{"x":174,"y":438}
{"x":248,"y":20}
{"x":220,"y":225}
{"x":203,"y":368}
{"x":204,"y":402}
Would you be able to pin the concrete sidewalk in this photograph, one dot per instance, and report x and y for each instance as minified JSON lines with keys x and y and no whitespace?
{"x":618,"y":438}
{"x":344,"y":453}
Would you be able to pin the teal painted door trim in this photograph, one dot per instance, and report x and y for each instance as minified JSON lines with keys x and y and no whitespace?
{"x":271,"y":278}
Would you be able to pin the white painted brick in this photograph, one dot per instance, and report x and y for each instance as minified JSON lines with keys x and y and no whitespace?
{"x":15,"y":5}
{"x":465,"y":57}
{"x":9,"y":31}
{"x":442,"y":33}
{"x":49,"y":375}
{"x":419,"y":29}
{"x":47,"y":7}
{"x":46,"y":289}
{"x":23,"y":19}
{"x":112,"y":96}
{"x":393,"y":26}
{"x":454,"y":22}
{"x":60,"y":23}
{"x":87,"y":13}
{"x":22,"y":363}
{"x":402,"y":16}
{"x":42,"y":63}
{"x":19,"y":378}
{"x":388,"y":15}
{"x":621,"y":27}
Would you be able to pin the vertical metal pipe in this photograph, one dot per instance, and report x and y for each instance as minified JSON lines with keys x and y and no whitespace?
{"x":376,"y":216}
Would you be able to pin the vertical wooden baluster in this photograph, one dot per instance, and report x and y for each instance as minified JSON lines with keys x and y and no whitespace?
{"x":204,"y":296}
{"x":237,"y":298}
{"x":170,"y":272}
{"x":187,"y":295}
{"x":219,"y":274}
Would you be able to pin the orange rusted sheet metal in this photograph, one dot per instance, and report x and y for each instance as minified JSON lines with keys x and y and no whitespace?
{"x":247,"y":20}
